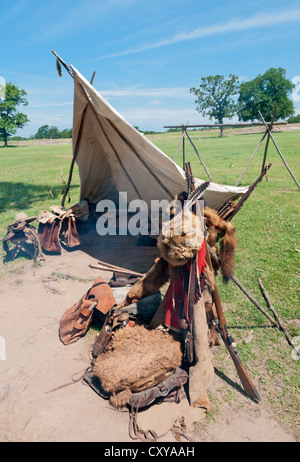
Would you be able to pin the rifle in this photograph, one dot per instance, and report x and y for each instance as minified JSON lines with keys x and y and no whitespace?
{"x":236,"y":207}
{"x":222,"y":328}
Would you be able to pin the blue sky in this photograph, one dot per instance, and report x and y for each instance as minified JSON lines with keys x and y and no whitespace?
{"x":146,"y":55}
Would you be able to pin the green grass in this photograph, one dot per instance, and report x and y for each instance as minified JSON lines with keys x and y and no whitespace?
{"x":31,"y":179}
{"x":267,"y":229}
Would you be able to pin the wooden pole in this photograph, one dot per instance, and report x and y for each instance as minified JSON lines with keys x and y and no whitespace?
{"x":254,"y":124}
{"x":92,"y":79}
{"x":208,"y":174}
{"x":268,"y":138}
{"x":278,"y":150}
{"x":266,"y":295}
{"x":180,"y":141}
{"x":119,"y":270}
{"x":233,"y":278}
{"x":179,"y":144}
{"x":76,"y":149}
{"x":249,"y":161}
{"x":63,"y":63}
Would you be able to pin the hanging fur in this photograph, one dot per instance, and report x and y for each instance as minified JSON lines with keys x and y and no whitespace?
{"x":139,"y":359}
{"x":217,"y":227}
{"x":149,"y":284}
{"x":58,"y":67}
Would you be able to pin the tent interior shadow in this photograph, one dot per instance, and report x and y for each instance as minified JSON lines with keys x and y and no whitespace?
{"x":119,"y":250}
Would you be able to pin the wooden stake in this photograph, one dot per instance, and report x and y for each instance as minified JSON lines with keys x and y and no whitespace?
{"x":266,"y":295}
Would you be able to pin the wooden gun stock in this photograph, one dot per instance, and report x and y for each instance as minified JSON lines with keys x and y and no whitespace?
{"x":227,"y":339}
{"x":221,"y":327}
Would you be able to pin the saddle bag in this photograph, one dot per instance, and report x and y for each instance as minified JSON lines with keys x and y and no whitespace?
{"x":77,"y":319}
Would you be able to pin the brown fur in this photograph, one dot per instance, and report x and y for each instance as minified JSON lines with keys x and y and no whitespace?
{"x":150,"y":283}
{"x":181,"y":238}
{"x":217,"y":226}
{"x":137,"y":353}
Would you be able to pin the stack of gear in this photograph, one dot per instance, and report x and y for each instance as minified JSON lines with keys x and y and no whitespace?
{"x":59,"y":225}
{"x":188,"y":308}
{"x":21,"y":236}
{"x":136,"y":365}
{"x":131,"y":365}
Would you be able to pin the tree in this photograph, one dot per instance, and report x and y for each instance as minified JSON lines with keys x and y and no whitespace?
{"x":54,"y":133}
{"x":66,"y":133}
{"x":46,"y":132}
{"x":294,"y":120}
{"x":214,"y":97}
{"x":262,"y":93}
{"x":42,"y":133}
{"x":10,"y":118}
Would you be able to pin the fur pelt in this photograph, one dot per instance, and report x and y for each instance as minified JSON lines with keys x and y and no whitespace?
{"x":150,"y":283}
{"x":137,"y":353}
{"x":218,"y":227}
{"x":180,"y":238}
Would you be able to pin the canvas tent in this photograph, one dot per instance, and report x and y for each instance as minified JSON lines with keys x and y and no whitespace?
{"x":114,"y":157}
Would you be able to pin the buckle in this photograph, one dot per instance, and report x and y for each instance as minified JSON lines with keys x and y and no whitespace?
{"x":163,"y":390}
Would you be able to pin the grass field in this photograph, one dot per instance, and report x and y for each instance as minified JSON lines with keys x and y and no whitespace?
{"x":267,"y":229}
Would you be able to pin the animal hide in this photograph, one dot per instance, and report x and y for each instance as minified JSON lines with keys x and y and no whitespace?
{"x":149,"y":284}
{"x":225,"y":230}
{"x":181,"y":238}
{"x":139,"y":359}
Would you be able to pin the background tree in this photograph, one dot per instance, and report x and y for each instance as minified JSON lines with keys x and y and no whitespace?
{"x":42,"y":133}
{"x":10,"y":118}
{"x":261,"y":94}
{"x":46,"y":132}
{"x":214,"y":97}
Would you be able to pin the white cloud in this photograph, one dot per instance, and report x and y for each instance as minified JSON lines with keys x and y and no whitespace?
{"x":257,"y":21}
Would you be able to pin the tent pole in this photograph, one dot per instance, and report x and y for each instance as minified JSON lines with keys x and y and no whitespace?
{"x":268,"y":138}
{"x":74,"y":157}
{"x":278,"y":150}
{"x":244,"y":171}
{"x":208,"y":174}
{"x":183,"y":148}
{"x":63,"y":63}
{"x":92,"y":79}
{"x":75,"y":151}
{"x":182,"y":136}
{"x":179,"y":144}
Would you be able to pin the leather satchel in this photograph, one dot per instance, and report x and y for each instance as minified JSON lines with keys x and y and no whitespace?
{"x":76,"y":321}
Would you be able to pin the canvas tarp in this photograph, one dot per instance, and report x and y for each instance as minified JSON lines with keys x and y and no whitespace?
{"x":114,"y":157}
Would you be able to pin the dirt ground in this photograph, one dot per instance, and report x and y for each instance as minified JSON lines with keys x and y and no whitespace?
{"x":34,"y":362}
